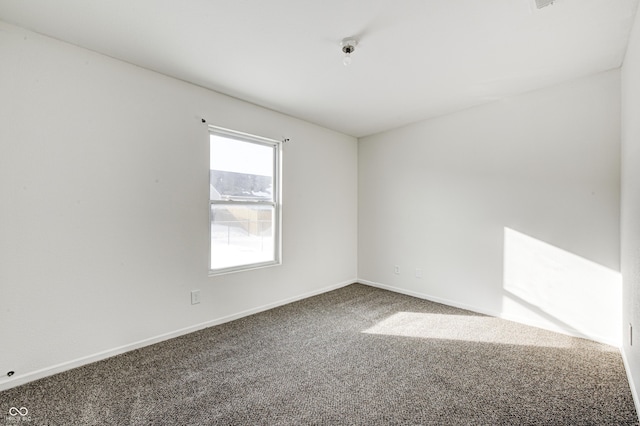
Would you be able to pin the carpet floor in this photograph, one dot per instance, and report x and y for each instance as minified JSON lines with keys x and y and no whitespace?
{"x":354,"y":356}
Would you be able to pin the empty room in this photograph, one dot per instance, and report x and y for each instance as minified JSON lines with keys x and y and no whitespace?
{"x":301,"y":212}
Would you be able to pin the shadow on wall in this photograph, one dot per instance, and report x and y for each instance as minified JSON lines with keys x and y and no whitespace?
{"x":550,"y":287}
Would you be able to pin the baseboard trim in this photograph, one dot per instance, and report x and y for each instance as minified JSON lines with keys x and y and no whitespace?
{"x":634,"y":392}
{"x":79,"y":362}
{"x":426,"y":297}
{"x":520,"y":320}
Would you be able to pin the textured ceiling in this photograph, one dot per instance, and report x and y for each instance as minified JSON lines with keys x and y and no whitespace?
{"x":415,"y":59}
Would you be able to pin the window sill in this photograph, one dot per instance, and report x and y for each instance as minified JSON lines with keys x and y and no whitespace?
{"x":234,"y":269}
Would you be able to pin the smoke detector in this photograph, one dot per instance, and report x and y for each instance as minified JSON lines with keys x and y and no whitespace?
{"x":348,"y":46}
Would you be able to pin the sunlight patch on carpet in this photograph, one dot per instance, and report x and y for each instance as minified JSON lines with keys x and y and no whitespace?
{"x":464,"y":328}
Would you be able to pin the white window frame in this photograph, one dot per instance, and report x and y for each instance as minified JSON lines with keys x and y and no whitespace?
{"x":276,"y":204}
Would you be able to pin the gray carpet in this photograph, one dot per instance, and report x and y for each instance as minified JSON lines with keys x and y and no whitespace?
{"x":354,"y":356}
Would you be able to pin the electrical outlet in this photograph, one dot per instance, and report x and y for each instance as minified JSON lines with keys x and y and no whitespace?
{"x":396,"y":270}
{"x":418,"y":272}
{"x":195,"y":297}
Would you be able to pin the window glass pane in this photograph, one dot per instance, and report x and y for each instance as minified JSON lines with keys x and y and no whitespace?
{"x":241,"y":234}
{"x":240,"y":170}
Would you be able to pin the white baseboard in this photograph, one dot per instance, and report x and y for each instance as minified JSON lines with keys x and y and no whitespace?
{"x":49,"y":371}
{"x":634,"y":392}
{"x":426,"y":297}
{"x":521,"y":320}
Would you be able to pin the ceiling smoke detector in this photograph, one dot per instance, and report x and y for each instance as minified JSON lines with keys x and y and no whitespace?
{"x":348,"y":47}
{"x":543,"y":3}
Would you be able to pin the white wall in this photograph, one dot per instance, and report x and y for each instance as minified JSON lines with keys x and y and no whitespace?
{"x":511,"y":208}
{"x":630,"y":214}
{"x":104,"y":208}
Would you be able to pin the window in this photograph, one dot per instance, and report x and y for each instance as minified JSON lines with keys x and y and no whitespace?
{"x":244,"y":198}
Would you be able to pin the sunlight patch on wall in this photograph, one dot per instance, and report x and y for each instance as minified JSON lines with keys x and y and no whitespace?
{"x":468,"y":328}
{"x":560,"y":289}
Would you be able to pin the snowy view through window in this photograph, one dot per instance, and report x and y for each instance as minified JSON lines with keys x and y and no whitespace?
{"x":242,"y":202}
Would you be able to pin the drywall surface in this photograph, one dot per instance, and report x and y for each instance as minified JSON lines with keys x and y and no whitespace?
{"x":104,"y":207}
{"x":630,"y":207}
{"x":511,"y":208}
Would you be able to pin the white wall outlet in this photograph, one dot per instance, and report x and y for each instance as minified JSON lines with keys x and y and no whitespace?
{"x":396,"y":270}
{"x":418,"y":272}
{"x":195,"y":297}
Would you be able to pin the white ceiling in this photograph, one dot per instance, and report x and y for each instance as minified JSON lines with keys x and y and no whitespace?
{"x":416,"y":59}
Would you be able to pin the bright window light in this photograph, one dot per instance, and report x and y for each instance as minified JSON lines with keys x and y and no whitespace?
{"x":244,"y":201}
